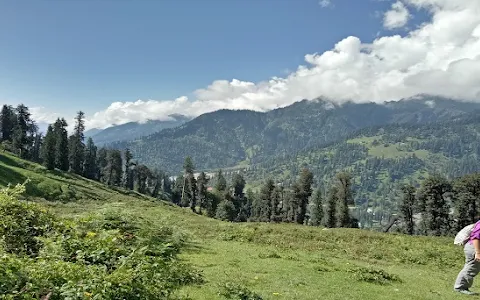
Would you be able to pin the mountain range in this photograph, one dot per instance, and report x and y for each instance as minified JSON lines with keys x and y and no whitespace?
{"x":133,"y":130}
{"x":229,"y":138}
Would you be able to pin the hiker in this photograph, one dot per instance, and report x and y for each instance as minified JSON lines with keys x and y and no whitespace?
{"x":472,"y":262}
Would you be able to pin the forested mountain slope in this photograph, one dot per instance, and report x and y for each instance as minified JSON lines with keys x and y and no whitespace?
{"x":382,"y":157}
{"x":227,"y":138}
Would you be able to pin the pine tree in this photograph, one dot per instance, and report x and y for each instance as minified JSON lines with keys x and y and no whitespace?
{"x":303,"y":192}
{"x":178,"y":190}
{"x":202,"y":191}
{"x":240,"y":202}
{"x":434,"y":204}
{"x":251,"y":196}
{"x":345,"y":198}
{"x":276,"y":215}
{"x":8,"y":120}
{"x":61,"y":144}
{"x":48,"y":149}
{"x":286,"y":206}
{"x":294,"y":203}
{"x":256,"y":210}
{"x":21,"y":139}
{"x":34,"y":141}
{"x":226,"y":210}
{"x":167,"y":184}
{"x":157,"y":181}
{"x":467,"y":200}
{"x":407,"y":207}
{"x":76,"y":145}
{"x":36,"y":151}
{"x":101,"y":165}
{"x":330,"y":214}
{"x":188,"y":165}
{"x":213,"y":200}
{"x":90,"y":163}
{"x":316,"y":208}
{"x":128,"y":173}
{"x":189,"y":194}
{"x":142,"y":174}
{"x":221,"y":182}
{"x":113,"y":169}
{"x":238,"y":183}
{"x":265,"y":201}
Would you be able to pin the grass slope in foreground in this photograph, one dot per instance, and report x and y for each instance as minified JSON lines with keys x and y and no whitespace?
{"x":277,"y":261}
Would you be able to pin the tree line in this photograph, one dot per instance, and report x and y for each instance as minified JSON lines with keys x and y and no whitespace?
{"x":58,"y":150}
{"x":298,"y":203}
{"x":440,"y":206}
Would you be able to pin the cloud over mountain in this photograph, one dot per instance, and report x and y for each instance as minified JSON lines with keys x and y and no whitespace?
{"x":440,"y":57}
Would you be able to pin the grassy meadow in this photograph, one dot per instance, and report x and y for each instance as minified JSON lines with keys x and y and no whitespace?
{"x":275,"y":261}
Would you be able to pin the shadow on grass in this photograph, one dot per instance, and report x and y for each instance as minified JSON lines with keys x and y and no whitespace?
{"x":195,"y":247}
{"x":8,"y":175}
{"x":9,"y":161}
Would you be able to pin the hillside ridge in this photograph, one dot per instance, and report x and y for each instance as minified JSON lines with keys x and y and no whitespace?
{"x":227,"y":138}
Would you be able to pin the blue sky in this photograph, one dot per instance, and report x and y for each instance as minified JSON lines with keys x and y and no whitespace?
{"x":68,"y":55}
{"x":85,"y":54}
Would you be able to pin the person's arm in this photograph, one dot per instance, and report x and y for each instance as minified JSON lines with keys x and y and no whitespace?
{"x":476,"y":244}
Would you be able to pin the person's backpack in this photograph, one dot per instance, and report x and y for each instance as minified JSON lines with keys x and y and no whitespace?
{"x":463,"y":235}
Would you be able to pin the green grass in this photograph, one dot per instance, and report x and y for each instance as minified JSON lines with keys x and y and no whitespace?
{"x":396,"y":150}
{"x":277,"y":261}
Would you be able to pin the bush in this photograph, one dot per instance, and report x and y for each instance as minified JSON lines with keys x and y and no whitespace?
{"x":238,"y":292}
{"x":271,"y":254}
{"x":373,"y":275}
{"x":22,"y":223}
{"x":101,"y":257}
{"x":12,"y":276}
{"x":49,"y":189}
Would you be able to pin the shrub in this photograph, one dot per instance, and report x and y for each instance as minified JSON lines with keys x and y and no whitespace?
{"x":271,"y":254}
{"x":49,"y":189}
{"x":13,"y":279}
{"x":22,"y":223}
{"x":373,"y":275}
{"x":236,"y":291}
{"x":100,"y":257}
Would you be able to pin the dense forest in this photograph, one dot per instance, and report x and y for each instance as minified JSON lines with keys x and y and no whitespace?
{"x":341,"y":185}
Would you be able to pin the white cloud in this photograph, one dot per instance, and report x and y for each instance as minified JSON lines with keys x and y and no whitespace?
{"x":42,"y":115}
{"x":397,"y":16}
{"x":325,"y":3}
{"x":441,"y":57}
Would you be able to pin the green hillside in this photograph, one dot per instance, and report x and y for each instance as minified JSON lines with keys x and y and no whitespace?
{"x":277,"y":261}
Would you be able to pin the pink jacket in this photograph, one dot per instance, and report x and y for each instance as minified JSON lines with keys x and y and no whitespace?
{"x":475,"y":235}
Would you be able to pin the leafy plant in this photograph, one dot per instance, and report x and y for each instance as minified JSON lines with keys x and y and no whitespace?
{"x":371,"y":275}
{"x":236,"y":291}
{"x":22,"y":223}
{"x":81,"y":260}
